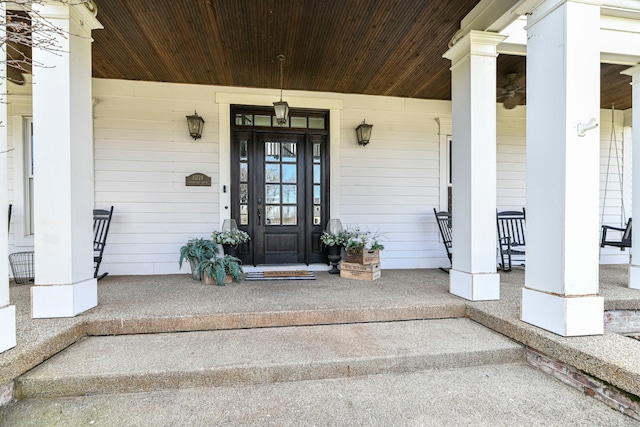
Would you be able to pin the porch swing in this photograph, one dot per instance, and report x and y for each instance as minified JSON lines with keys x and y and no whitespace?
{"x":623,"y":233}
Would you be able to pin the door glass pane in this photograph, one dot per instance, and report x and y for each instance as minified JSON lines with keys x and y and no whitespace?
{"x":316,"y":215}
{"x":244,"y":193}
{"x":316,"y":152}
{"x":262,"y":120}
{"x":289,"y":151}
{"x":289,"y":173}
{"x":273,"y":215}
{"x":243,"y":150}
{"x":272,"y":172}
{"x":244,"y":119}
{"x":316,"y":194}
{"x":244,"y":172}
{"x":316,"y":174}
{"x":272,"y":193}
{"x":298,"y":122}
{"x":316,"y":123}
{"x":244,"y":214}
{"x":274,"y":123}
{"x":289,"y":194}
{"x":289,"y":215}
{"x":272,"y":151}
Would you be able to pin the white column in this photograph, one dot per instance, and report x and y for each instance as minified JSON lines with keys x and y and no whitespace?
{"x":473,"y":96}
{"x":563,"y":94}
{"x":63,"y":172}
{"x":634,"y":72}
{"x":7,"y":312}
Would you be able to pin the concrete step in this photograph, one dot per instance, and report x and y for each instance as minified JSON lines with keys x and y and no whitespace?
{"x":490,"y":395}
{"x":135,"y":363}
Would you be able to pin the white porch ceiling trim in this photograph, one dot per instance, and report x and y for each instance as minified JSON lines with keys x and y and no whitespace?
{"x":619,"y":39}
{"x":619,"y":27}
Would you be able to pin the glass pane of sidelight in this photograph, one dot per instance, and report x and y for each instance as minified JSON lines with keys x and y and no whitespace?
{"x":244,"y":193}
{"x":316,"y":215}
{"x":272,"y":151}
{"x":273,"y":215}
{"x":316,"y":123}
{"x":244,"y":214}
{"x":298,"y":122}
{"x":289,"y":173}
{"x":262,"y":120}
{"x":316,"y":194}
{"x":272,"y":193}
{"x":289,"y":194}
{"x":244,"y":172}
{"x":316,"y":152}
{"x":316,"y":174}
{"x":243,"y":150}
{"x":289,"y":215}
{"x":289,"y":151}
{"x":272,"y":172}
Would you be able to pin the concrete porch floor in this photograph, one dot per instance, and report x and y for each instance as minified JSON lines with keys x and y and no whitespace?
{"x":152,"y":304}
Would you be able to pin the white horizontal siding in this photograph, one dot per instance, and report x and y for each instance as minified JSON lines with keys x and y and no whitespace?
{"x":143,"y":153}
{"x":392,"y":185}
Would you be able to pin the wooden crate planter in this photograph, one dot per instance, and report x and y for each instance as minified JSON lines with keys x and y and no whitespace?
{"x":363,"y":256}
{"x":368,"y":272}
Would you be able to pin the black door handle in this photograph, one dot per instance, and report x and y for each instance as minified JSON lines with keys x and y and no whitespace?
{"x":259,"y":217}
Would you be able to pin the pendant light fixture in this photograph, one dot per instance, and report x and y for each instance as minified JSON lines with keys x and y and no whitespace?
{"x":281,"y":107}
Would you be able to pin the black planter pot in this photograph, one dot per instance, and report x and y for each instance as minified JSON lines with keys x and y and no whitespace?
{"x":335,"y":255}
{"x":231,"y":250}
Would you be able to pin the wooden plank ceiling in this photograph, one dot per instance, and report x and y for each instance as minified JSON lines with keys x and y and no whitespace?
{"x":373,"y":47}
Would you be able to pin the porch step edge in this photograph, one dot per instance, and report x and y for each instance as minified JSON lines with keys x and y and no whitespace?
{"x":135,"y":363}
{"x":269,"y":319}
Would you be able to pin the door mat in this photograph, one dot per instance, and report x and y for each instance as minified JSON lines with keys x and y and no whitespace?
{"x":281,"y":275}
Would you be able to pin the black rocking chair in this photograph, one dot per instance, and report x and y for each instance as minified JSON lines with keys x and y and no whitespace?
{"x":101,"y":222}
{"x":511,"y":238}
{"x":444,"y":224}
{"x":625,"y":238}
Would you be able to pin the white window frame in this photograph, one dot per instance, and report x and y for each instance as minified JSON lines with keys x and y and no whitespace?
{"x":28,"y":175}
{"x":444,"y":136}
{"x":22,"y":212}
{"x":448,"y":171}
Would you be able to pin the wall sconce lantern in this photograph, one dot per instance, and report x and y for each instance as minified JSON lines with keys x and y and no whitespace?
{"x":281,"y":107}
{"x":195,"y":123}
{"x":363,"y":131}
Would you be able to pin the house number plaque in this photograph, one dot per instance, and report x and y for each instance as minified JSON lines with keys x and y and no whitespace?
{"x":198,"y":180}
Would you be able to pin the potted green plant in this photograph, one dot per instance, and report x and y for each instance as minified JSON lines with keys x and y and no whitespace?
{"x":230,"y":239}
{"x":197,"y":250}
{"x":220,"y":269}
{"x":334,"y":243}
{"x":362,"y":247}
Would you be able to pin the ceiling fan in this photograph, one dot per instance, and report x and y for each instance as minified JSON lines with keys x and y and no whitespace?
{"x":511,"y":94}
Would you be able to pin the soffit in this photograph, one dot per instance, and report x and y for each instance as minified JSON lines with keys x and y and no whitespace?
{"x":371,"y":47}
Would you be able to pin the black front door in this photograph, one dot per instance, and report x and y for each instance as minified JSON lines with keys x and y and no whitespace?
{"x":279,"y":194}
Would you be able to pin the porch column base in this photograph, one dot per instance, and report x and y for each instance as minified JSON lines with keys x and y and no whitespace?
{"x":474,"y":286}
{"x":569,"y":317}
{"x":49,"y":301}
{"x":7,"y":327}
{"x":634,"y":276}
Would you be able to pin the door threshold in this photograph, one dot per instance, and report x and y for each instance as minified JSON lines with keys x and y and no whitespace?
{"x":285,"y":267}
